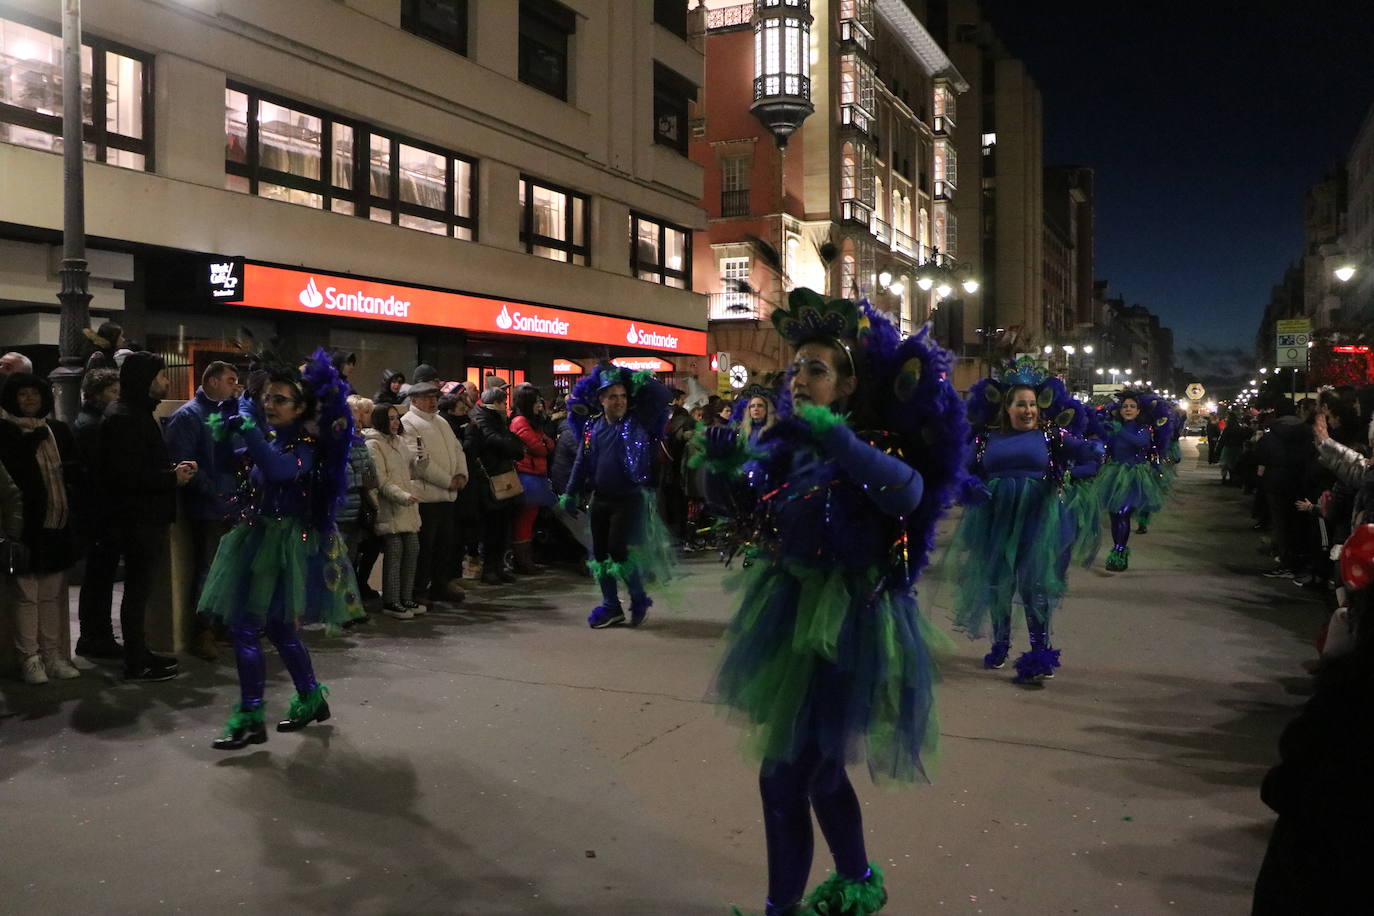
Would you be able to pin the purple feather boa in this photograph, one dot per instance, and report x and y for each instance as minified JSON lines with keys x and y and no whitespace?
{"x":335,"y":437}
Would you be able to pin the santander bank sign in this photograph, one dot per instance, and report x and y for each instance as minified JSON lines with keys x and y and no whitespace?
{"x":312,"y":292}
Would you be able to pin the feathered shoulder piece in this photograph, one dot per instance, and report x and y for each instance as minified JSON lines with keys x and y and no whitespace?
{"x":649,"y":398}
{"x":810,"y":316}
{"x":335,"y":435}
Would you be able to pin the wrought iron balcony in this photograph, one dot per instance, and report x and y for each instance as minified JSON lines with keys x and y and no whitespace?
{"x":730,"y":17}
{"x":734,"y":203}
{"x":733,"y":306}
{"x":881,"y":230}
{"x":903,"y":242}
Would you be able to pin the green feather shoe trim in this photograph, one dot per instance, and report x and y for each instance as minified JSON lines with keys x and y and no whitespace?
{"x":1118,"y":560}
{"x":303,"y":708}
{"x":240,"y":719}
{"x":841,"y":896}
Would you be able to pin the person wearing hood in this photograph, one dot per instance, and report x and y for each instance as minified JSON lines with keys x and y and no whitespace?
{"x":489,"y":440}
{"x":1284,"y":453}
{"x":390,"y":392}
{"x":210,"y":499}
{"x":107,"y":341}
{"x":344,"y":362}
{"x":39,"y":453}
{"x":139,"y":482}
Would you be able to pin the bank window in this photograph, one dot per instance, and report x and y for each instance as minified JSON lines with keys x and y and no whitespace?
{"x":546,"y":30}
{"x":444,"y":22}
{"x":553,"y":222}
{"x":660,"y":252}
{"x":116,"y":93}
{"x":672,"y":93}
{"x":301,"y":155}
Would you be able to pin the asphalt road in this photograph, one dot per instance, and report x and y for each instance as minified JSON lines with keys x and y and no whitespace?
{"x":506,"y":759}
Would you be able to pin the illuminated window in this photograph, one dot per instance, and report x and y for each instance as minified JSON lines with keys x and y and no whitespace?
{"x":553,"y":222}
{"x":660,"y":252}
{"x":301,"y":155}
{"x":115,"y":88}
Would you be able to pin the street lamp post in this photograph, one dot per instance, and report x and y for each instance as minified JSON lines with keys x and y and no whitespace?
{"x":75,"y":293}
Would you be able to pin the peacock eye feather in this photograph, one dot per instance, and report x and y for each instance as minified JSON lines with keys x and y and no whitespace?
{"x":908,"y":379}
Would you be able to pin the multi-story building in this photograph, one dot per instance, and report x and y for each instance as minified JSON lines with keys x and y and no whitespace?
{"x":1323,"y":223}
{"x":861,"y":197}
{"x":1357,"y":296}
{"x":488,"y":187}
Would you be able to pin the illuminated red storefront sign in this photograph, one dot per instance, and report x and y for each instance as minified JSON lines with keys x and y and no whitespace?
{"x":311,"y":292}
{"x":633,"y":363}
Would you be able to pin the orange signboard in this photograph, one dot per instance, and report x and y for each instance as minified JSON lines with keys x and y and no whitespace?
{"x":313,"y":292}
{"x":642,"y":363}
{"x":566,"y":367}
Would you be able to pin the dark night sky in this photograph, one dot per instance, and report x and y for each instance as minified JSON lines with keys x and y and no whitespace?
{"x":1205,"y":123}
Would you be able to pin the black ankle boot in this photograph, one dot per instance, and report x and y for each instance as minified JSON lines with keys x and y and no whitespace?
{"x":305,"y":708}
{"x":243,"y":729}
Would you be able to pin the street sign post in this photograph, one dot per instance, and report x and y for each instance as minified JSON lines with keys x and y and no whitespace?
{"x":1292,"y":337}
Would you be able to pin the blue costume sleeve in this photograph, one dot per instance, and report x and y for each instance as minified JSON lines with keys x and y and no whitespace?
{"x":651,"y":407}
{"x":277,"y":464}
{"x":583,"y":465}
{"x":894,"y":486}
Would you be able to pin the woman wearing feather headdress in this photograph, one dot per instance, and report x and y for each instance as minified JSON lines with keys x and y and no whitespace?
{"x":1017,"y":532}
{"x":284,"y":564}
{"x":1171,"y":455}
{"x":828,"y":659}
{"x":1132,"y":481}
{"x":619,"y":417}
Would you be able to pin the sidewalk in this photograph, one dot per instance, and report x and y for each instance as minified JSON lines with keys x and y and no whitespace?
{"x":506,"y":759}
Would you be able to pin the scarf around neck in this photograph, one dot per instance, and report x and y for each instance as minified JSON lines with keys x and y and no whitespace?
{"x":50,"y":466}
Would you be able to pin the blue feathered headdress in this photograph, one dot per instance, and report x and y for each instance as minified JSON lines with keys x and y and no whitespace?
{"x":647,"y":402}
{"x":987,"y":397}
{"x":335,"y":436}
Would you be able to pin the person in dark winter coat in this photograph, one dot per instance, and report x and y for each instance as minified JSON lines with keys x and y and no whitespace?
{"x":211,"y":497}
{"x":1284,"y":453}
{"x":99,"y":389}
{"x":39,"y":453}
{"x":390,"y":392}
{"x":107,"y":341}
{"x":489,"y":439}
{"x":138,"y":484}
{"x":564,"y":457}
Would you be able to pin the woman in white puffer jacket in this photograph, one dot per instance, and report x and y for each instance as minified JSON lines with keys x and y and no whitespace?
{"x":398,"y":512}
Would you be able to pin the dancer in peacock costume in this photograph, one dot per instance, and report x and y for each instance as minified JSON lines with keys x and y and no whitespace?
{"x":1081,"y":497}
{"x":1017,"y":533}
{"x":1132,"y":480}
{"x":284,"y":564}
{"x":619,"y":417}
{"x":828,"y":659}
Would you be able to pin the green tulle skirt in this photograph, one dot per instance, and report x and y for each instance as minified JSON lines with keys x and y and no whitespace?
{"x":280,"y":569}
{"x":1131,"y":486}
{"x":823,"y":658}
{"x":1013,"y":547}
{"x":1084,"y":507}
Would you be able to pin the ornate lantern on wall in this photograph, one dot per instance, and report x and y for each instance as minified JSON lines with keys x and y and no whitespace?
{"x":782,"y":65}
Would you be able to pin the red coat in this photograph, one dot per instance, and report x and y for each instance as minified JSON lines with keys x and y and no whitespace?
{"x":538,"y":448}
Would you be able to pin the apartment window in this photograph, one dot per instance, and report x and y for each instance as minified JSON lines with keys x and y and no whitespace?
{"x":546,"y":30}
{"x":660,"y":252}
{"x":553,"y":222}
{"x":295,"y":153}
{"x":116,"y":91}
{"x":672,"y":93}
{"x":444,"y":22}
{"x":734,"y":185}
{"x":672,"y":15}
{"x":736,"y":301}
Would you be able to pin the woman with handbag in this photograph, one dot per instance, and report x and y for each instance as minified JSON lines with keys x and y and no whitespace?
{"x":40,"y":455}
{"x":398,"y":515}
{"x":533,"y":470}
{"x":496,"y":448}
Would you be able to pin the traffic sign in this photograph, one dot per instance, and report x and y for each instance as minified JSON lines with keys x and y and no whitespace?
{"x":1293,"y":326}
{"x":1195,"y":392}
{"x":1293,"y":340}
{"x":1291,"y":357}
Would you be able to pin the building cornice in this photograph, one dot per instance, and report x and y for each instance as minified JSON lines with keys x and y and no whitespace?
{"x":899,"y":17}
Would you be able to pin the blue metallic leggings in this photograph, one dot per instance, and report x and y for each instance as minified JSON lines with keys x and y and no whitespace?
{"x":1121,"y":526}
{"x":790,"y":792}
{"x":286,"y":637}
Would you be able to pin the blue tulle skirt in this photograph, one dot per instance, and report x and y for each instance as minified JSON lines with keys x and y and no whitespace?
{"x":1131,"y":486}
{"x":823,"y":658}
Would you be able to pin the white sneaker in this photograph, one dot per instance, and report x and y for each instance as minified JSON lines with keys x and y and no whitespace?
{"x":58,"y":667}
{"x":414,"y":608}
{"x":398,"y":612}
{"x":33,"y":670}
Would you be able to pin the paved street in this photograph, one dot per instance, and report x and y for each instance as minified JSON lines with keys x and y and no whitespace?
{"x":505,"y":759}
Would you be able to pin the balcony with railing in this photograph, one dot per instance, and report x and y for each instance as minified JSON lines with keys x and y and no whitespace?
{"x":881,"y":230}
{"x":853,"y":210}
{"x":734,"y":203}
{"x":855,"y":116}
{"x":903,"y":242}
{"x":854,"y":32}
{"x":730,"y":17}
{"x":733,"y":306}
{"x":944,"y":189}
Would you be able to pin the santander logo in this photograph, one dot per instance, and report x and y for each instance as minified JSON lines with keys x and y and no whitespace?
{"x":633,"y":336}
{"x":651,"y":338}
{"x":531,"y":324}
{"x":310,"y":296}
